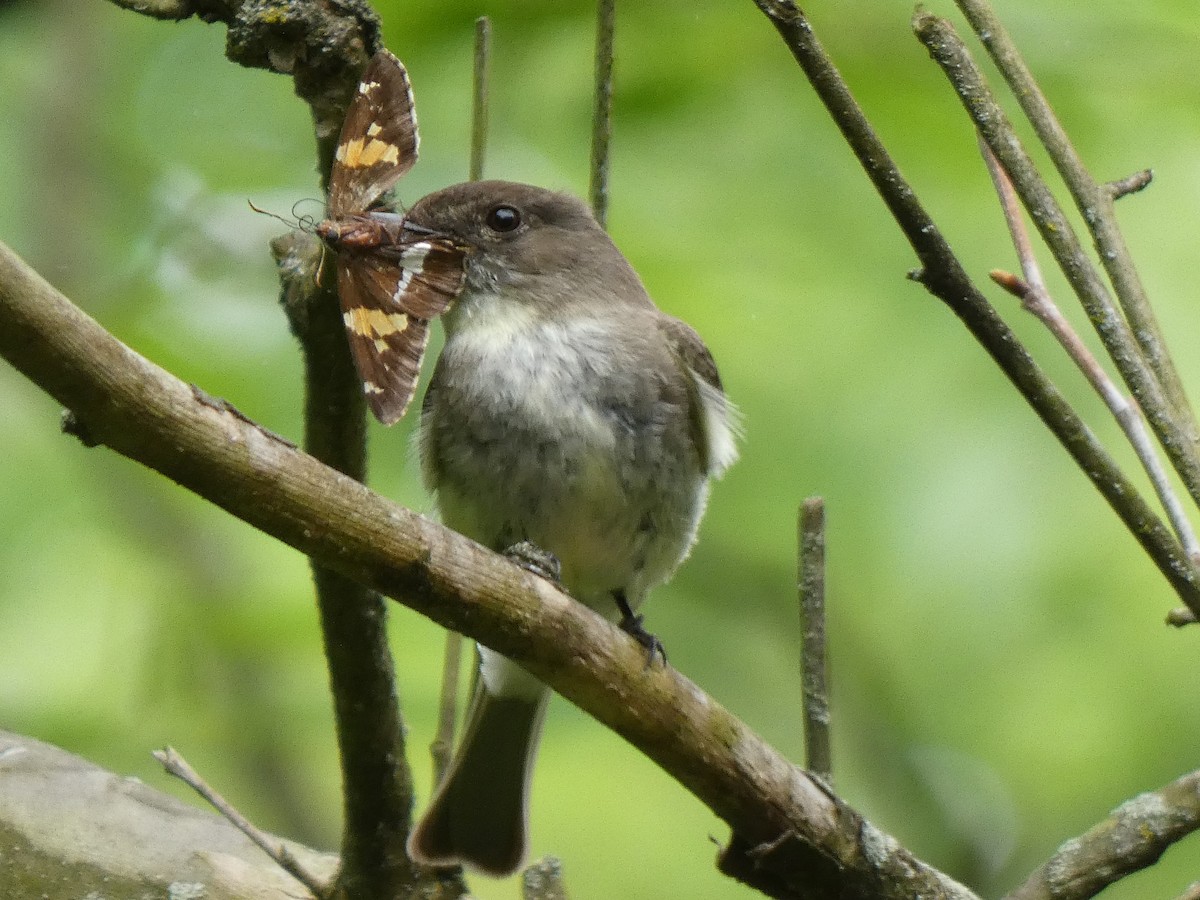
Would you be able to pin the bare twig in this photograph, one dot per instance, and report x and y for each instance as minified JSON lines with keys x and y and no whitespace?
{"x":479,"y":95}
{"x":176,"y":765}
{"x":1095,"y":202}
{"x":948,"y":50}
{"x":1133,"y":837}
{"x":942,"y":274}
{"x":606,"y":11}
{"x":1130,"y":184}
{"x":818,"y":757}
{"x":442,"y":747}
{"x":1037,"y":300}
{"x":74,"y":830}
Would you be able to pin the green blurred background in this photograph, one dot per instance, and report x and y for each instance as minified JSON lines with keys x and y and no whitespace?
{"x":1002,"y":676}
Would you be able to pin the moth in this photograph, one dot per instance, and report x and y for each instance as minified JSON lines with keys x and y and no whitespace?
{"x":393,"y":279}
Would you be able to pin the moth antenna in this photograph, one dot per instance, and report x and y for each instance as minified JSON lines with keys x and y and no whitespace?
{"x":306,"y":218}
{"x":290,"y":223}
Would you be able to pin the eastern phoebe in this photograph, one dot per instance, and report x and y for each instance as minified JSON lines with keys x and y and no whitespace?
{"x":566,"y":411}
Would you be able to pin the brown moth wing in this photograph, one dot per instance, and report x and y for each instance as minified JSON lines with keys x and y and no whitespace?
{"x":379,"y":139}
{"x":432,"y":276}
{"x":387,"y":344}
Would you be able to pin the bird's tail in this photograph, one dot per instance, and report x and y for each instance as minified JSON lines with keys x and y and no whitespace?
{"x":478,"y":816}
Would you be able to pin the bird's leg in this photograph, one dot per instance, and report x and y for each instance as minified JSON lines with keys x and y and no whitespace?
{"x":631,"y":624}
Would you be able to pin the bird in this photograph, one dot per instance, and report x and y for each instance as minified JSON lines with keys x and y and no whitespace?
{"x":566,"y":415}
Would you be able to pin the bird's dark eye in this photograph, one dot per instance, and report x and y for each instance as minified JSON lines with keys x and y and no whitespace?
{"x":503,"y":218}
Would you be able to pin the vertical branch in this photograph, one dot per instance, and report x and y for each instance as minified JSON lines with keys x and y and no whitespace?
{"x":376,"y":781}
{"x":377,"y":787}
{"x":1094,"y":201}
{"x":479,"y":95}
{"x":442,"y":747}
{"x":606,"y":12}
{"x":818,"y":755}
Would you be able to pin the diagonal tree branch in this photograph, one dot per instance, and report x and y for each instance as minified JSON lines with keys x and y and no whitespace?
{"x":1132,"y":838}
{"x":791,"y":836}
{"x":1095,"y":201}
{"x":948,"y":50}
{"x":943,"y":275}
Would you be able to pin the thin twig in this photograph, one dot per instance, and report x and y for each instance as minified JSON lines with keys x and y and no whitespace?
{"x":948,"y":50}
{"x":176,"y":765}
{"x":606,"y":11}
{"x":943,"y":275}
{"x":818,"y":756}
{"x":479,"y":95}
{"x":1130,"y":184}
{"x":1095,"y":202}
{"x":1036,"y":299}
{"x":442,"y":747}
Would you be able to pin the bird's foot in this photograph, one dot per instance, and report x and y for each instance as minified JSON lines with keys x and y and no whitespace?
{"x":632,"y":625}
{"x":532,"y":558}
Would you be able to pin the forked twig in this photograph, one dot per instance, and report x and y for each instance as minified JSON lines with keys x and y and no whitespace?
{"x":943,"y":275}
{"x":1036,"y":299}
{"x":951,"y":54}
{"x":1094,"y":201}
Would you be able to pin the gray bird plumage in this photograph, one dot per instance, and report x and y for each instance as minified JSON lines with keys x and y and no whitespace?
{"x":568,"y":411}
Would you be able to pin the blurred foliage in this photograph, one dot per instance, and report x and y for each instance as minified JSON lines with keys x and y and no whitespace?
{"x":1002,"y":677}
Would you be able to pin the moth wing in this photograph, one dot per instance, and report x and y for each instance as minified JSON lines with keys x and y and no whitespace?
{"x":386,"y":342}
{"x":379,"y":138}
{"x":431,"y":276}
